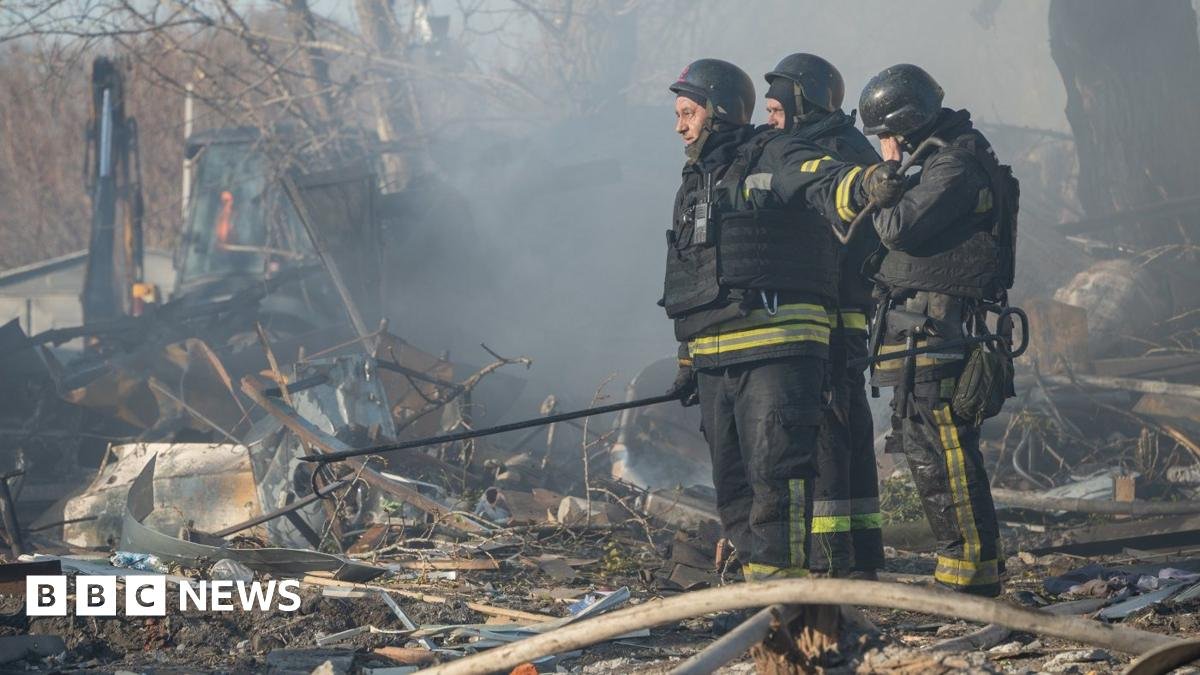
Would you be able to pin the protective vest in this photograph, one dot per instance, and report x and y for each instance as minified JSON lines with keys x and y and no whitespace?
{"x":976,"y":257}
{"x":720,"y":241}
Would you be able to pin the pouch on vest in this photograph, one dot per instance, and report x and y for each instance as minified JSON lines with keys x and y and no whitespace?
{"x":986,"y":381}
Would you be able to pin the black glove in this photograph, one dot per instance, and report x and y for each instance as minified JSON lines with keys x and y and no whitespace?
{"x":684,"y":386}
{"x":884,"y":184}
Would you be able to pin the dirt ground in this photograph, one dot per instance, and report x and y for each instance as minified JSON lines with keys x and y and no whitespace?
{"x":287,"y":642}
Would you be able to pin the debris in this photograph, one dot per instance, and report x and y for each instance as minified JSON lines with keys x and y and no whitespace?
{"x":342,"y":636}
{"x":231,"y":570}
{"x":328,"y":444}
{"x":428,"y":597}
{"x":556,"y":568}
{"x":494,"y":506}
{"x":305,"y":661}
{"x":477,"y":564}
{"x":1066,"y":662}
{"x":13,"y":575}
{"x":136,"y":536}
{"x":212,"y":483}
{"x":802,"y":591}
{"x":1131,"y":507}
{"x":984,"y":638}
{"x":407,"y":655}
{"x":16,"y":647}
{"x":143,"y":562}
{"x":573,"y":512}
{"x":1122,"y":610}
{"x":737,"y":641}
{"x":1006,"y":649}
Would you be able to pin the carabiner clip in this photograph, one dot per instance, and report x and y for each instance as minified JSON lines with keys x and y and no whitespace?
{"x":772,"y":309}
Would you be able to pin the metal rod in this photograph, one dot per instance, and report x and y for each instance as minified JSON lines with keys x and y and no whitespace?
{"x":282,"y":511}
{"x":298,"y":385}
{"x":503,"y":428}
{"x":68,"y":521}
{"x":417,"y":375}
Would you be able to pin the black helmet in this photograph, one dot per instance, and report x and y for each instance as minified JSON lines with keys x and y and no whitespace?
{"x":900,"y":100}
{"x":721,"y":83}
{"x":820,"y":83}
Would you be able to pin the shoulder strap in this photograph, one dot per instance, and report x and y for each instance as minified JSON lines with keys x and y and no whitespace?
{"x":746,"y":158}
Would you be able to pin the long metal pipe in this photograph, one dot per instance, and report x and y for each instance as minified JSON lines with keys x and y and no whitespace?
{"x":737,"y":641}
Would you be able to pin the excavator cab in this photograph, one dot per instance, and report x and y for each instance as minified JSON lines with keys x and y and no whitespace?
{"x":239,"y":224}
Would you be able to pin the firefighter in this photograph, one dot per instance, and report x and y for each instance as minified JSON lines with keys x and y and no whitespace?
{"x":804,"y":97}
{"x":946,"y":260}
{"x":751,"y":275}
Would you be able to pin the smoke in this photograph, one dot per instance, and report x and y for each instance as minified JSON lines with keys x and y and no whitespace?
{"x":562,"y":256}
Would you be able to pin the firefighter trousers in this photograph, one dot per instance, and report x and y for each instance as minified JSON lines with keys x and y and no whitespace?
{"x":844,"y":531}
{"x":761,"y":421}
{"x":948,"y":471}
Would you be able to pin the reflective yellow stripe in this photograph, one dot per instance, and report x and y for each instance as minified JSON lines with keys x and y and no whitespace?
{"x":800,"y":322}
{"x":761,"y":572}
{"x":866,"y":521}
{"x":956,"y":472}
{"x":966,"y":573}
{"x":985,"y":201}
{"x":845,"y":212}
{"x":852,"y":319}
{"x":811,"y":165}
{"x":765,"y":337}
{"x":759,"y":318}
{"x":796,"y":517}
{"x":829,"y":524}
{"x":923,"y":360}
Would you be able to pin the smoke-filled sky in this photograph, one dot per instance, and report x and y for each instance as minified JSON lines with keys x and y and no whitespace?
{"x":572,"y":276}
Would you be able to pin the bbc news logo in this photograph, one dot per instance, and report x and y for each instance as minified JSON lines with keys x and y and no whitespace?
{"x":146,"y":595}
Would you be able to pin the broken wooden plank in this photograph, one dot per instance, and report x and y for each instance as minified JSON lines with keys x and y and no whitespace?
{"x":488,"y":610}
{"x":1176,"y":366}
{"x":1126,"y":384}
{"x":1148,"y":533}
{"x":1039,"y":502}
{"x":1057,"y":331}
{"x":461,"y":565}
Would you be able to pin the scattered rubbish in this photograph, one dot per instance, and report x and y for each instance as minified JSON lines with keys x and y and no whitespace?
{"x":1066,"y":661}
{"x":493,"y":506}
{"x":230,"y":570}
{"x":143,"y":562}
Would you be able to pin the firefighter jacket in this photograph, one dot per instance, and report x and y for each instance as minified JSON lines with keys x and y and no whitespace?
{"x":942,"y":236}
{"x":751,"y":267}
{"x":837,"y":134}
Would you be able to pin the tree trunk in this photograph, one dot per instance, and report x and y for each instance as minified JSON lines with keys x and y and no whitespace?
{"x":378,"y":25}
{"x":304,"y":29}
{"x":1130,"y":70}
